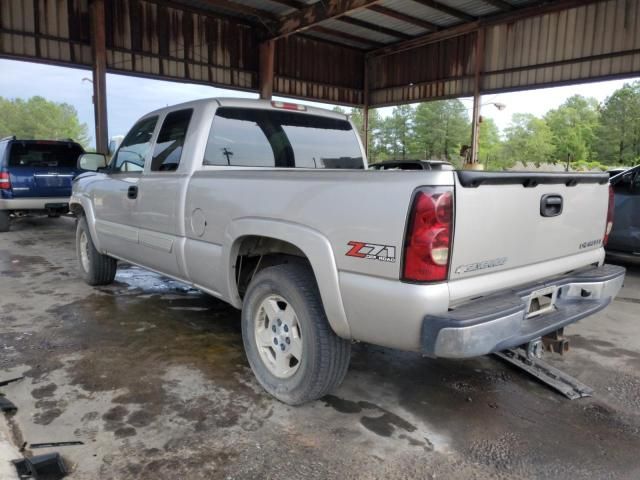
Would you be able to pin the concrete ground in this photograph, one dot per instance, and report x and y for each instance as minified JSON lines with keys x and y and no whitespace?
{"x":151,"y":376}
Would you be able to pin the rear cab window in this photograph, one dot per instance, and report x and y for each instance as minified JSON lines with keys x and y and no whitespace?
{"x":247,"y":137}
{"x":44,"y":154}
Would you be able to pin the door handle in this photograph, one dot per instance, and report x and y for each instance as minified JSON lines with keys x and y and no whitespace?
{"x":551,"y":205}
{"x":132,"y":192}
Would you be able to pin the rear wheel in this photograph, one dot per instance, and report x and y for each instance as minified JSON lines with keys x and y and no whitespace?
{"x":96,"y":269}
{"x":4,"y":221}
{"x":292,"y":350}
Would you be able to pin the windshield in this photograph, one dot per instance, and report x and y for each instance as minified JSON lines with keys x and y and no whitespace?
{"x":42,"y":154}
{"x":267,"y":138}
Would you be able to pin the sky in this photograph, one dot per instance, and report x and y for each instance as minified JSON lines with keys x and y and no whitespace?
{"x":128,"y":98}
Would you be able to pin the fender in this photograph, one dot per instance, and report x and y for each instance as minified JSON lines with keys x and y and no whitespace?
{"x":313,"y":244}
{"x":85,"y":202}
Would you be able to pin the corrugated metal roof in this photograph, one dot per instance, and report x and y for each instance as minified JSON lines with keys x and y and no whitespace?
{"x":472,"y":7}
{"x":420,"y":11}
{"x":388,"y":22}
{"x":359,"y":31}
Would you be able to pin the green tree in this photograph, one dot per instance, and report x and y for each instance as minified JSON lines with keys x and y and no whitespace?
{"x":397,"y":134}
{"x":489,"y":147}
{"x":573,"y":126}
{"x":441,"y":128}
{"x":528,"y":139}
{"x":38,"y":118}
{"x":376,"y":148}
{"x":619,"y":131}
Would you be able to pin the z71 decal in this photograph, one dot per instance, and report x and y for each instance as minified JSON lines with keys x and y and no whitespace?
{"x":384,"y":253}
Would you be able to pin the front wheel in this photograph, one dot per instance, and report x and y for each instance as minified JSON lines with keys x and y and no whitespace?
{"x":292,"y":350}
{"x":96,"y":269}
{"x":4,"y":221}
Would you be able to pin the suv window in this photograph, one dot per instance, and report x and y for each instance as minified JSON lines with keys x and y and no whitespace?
{"x":44,"y":154}
{"x":3,"y":148}
{"x":168,"y":149}
{"x":134,"y":148}
{"x":266,"y":138}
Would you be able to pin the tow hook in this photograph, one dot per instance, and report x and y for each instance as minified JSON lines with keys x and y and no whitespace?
{"x":535,"y":349}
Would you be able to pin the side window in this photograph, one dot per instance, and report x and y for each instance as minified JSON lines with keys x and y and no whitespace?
{"x":168,"y":149}
{"x":234,"y":141}
{"x":131,"y":155}
{"x":3,"y":148}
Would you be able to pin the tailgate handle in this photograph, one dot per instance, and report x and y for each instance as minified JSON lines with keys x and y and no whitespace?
{"x":132,"y":192}
{"x":551,"y":205}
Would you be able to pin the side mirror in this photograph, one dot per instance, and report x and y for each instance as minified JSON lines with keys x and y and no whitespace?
{"x":92,"y":161}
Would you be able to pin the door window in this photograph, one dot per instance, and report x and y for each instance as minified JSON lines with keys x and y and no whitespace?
{"x":168,"y":149}
{"x":135,"y":147}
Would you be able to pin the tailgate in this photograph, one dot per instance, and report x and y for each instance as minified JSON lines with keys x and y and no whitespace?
{"x":510,"y":220}
{"x":41,"y":182}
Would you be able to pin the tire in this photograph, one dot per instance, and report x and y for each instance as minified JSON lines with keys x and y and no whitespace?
{"x":96,"y":269}
{"x":4,"y":221}
{"x":323,"y":356}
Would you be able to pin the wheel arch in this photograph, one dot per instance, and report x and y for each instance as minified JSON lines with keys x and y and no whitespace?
{"x":81,"y":206}
{"x":297,"y":241}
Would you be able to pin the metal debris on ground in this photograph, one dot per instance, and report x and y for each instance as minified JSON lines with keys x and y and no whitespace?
{"x":11,"y":380}
{"x":564,"y":383}
{"x":55,"y":444}
{"x":41,"y":467}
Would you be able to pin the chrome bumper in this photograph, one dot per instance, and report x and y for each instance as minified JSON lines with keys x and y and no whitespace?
{"x":500,"y":321}
{"x":35,"y":203}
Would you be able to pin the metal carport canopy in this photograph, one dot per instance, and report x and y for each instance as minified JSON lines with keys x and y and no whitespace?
{"x":350,"y":52}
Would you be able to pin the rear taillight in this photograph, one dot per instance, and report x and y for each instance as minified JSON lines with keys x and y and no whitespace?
{"x":428,"y":238}
{"x":5,"y":181}
{"x":610,"y":209}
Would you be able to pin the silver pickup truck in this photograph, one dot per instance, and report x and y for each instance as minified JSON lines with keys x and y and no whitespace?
{"x":269,"y":206}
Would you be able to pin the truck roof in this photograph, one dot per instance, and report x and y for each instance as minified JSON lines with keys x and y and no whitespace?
{"x":250,"y":103}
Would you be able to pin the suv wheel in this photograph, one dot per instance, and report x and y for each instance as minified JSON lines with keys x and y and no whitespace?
{"x":4,"y":221}
{"x":292,"y":350}
{"x":96,"y":269}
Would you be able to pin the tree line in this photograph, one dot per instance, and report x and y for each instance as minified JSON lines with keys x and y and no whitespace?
{"x":41,"y":119}
{"x":581,"y":132}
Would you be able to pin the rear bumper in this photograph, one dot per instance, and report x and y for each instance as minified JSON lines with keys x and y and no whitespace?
{"x":35,"y":203}
{"x":500,"y":321}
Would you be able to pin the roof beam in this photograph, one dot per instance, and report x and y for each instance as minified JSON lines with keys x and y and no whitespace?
{"x":501,"y":4}
{"x":453,"y":12}
{"x":316,"y":13}
{"x":223,"y":4}
{"x":497,"y":19}
{"x":345,"y":36}
{"x":376,"y":28}
{"x":291,"y":3}
{"x":404,"y":17}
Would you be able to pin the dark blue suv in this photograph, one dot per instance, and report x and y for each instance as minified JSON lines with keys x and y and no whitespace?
{"x":36,"y":176}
